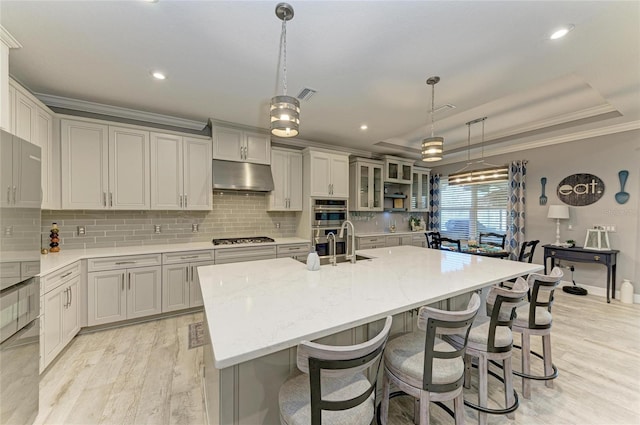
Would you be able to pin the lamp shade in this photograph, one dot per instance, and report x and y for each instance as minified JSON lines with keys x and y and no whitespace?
{"x":432,"y":149}
{"x":558,"y":212}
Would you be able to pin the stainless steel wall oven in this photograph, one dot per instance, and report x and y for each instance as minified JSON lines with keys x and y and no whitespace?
{"x":327,"y":216}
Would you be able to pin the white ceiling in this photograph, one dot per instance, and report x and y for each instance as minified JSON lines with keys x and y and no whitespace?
{"x":369,"y":62}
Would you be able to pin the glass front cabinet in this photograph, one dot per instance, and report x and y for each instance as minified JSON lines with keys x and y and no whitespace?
{"x":397,"y":170}
{"x":420,"y":189}
{"x":366,"y":191}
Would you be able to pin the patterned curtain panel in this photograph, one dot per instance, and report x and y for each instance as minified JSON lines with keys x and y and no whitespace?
{"x":515,"y":207}
{"x":434,"y":202}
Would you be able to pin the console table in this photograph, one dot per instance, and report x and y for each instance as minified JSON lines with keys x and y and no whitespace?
{"x":581,"y":255}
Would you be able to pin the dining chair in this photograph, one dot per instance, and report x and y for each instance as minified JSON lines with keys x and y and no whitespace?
{"x":451,"y":242}
{"x":526,"y":251}
{"x":433,"y":240}
{"x":493,"y":239}
{"x":534,"y":318}
{"x":490,"y":340}
{"x":424,"y":366}
{"x":334,"y":388}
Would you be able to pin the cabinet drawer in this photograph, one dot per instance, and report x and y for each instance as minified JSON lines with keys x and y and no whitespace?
{"x":128,"y":261}
{"x":292,"y":250}
{"x":187,"y":256}
{"x":369,"y":242}
{"x":57,"y":278}
{"x":235,"y":255}
{"x":29,"y":269}
{"x":594,"y":256}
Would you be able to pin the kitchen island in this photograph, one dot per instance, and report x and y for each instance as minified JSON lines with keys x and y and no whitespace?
{"x":257,"y":312}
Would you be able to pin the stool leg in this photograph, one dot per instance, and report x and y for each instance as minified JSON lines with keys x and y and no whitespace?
{"x":526,"y":364}
{"x":482,"y":388}
{"x":509,"y":399}
{"x":416,"y":411}
{"x":546,"y":353}
{"x":458,"y":406}
{"x":424,"y":407}
{"x":384,"y":403}
{"x":467,"y":371}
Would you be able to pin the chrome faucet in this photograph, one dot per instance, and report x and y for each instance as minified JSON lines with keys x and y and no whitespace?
{"x":351,"y":256}
{"x":332,"y":248}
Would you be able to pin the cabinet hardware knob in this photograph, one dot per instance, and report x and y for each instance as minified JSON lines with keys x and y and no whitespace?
{"x":129,"y":280}
{"x":185,"y":201}
{"x":596,"y":257}
{"x":14,"y":194}
{"x":65,"y":275}
{"x":125,"y":262}
{"x":8,"y":194}
{"x":553,"y":253}
{"x":110,"y":199}
{"x":70,"y":296}
{"x":104,"y":199}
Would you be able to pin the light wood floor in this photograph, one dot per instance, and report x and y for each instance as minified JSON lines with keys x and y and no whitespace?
{"x":145,"y":374}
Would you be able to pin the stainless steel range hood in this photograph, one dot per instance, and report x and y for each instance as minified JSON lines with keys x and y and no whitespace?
{"x":232,"y":175}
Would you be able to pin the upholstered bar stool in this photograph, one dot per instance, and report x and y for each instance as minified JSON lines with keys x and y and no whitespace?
{"x":534,"y":318}
{"x":425,"y":367}
{"x":490,"y":340}
{"x":333,"y":388}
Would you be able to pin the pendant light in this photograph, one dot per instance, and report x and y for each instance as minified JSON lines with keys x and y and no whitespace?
{"x":285,"y":110}
{"x":498,"y":173}
{"x":432,"y":147}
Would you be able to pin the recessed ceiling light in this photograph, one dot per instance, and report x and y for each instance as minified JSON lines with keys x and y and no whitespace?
{"x":158,"y":75}
{"x":151,"y":1}
{"x":561,"y":32}
{"x":364,"y":127}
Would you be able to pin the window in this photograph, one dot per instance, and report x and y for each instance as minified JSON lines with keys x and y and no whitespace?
{"x":466,"y":211}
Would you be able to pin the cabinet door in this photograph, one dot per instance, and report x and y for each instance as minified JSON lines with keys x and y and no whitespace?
{"x":106,"y":297}
{"x":52,"y":337}
{"x":377,"y":189}
{"x":166,"y":172}
{"x":26,"y":117}
{"x":71,"y":313}
{"x":257,"y":148}
{"x":280,"y":171}
{"x":144,"y":291}
{"x":85,"y":165}
{"x":6,"y":169}
{"x":129,"y":187}
{"x":195,"y":293}
{"x":197,"y":174}
{"x":340,"y":176}
{"x":320,"y":174}
{"x":228,"y":144}
{"x":26,"y":179}
{"x":12,"y":111}
{"x":393,"y":241}
{"x":295,"y":181}
{"x":44,"y":136}
{"x":175,"y":287}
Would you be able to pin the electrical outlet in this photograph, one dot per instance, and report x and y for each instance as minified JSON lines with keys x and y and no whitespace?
{"x":157,"y":228}
{"x":194,"y":227}
{"x":81,"y":231}
{"x":277,"y":225}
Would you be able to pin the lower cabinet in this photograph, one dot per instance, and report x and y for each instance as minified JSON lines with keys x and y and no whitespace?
{"x":181,"y":286}
{"x":60,"y":313}
{"x":398,"y":240}
{"x":370,"y":242}
{"x":116,"y":295}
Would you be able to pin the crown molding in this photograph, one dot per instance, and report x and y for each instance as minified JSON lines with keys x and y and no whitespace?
{"x":116,"y":111}
{"x":8,"y":39}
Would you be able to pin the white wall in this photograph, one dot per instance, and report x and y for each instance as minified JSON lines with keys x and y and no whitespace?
{"x":604,"y":157}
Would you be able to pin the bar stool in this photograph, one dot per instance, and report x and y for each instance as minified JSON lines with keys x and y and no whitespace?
{"x":490,"y":340}
{"x":424,"y":366}
{"x":334,"y":380}
{"x":433,"y":240}
{"x":534,"y":318}
{"x":494,"y":239}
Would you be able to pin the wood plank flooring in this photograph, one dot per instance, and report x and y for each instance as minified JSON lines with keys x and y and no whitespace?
{"x":145,"y":374}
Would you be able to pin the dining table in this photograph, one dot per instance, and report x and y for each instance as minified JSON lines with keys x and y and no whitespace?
{"x":485,"y":250}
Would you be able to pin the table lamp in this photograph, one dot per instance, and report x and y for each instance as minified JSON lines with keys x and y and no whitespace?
{"x":559,"y":212}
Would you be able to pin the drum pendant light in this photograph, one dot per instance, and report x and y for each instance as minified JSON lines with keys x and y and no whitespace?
{"x":432,"y":147}
{"x":285,"y":110}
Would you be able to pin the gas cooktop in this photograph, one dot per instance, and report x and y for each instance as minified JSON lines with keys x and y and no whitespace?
{"x":236,"y":241}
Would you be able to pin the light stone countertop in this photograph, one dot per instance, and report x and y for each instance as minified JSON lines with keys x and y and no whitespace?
{"x":261,"y":307}
{"x":56,"y":260}
{"x":402,"y":233}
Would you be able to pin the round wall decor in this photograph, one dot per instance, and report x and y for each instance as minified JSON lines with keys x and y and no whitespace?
{"x":579,"y":190}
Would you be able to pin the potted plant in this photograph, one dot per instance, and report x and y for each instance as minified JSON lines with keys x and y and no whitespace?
{"x":571,"y":243}
{"x":414,"y":223}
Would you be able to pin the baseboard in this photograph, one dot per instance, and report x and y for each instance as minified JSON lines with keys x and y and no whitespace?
{"x":600,"y":291}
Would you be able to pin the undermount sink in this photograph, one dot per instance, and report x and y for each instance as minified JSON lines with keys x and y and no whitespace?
{"x":339,"y":259}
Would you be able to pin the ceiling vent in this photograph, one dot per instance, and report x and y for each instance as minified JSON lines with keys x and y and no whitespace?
{"x":444,"y":107}
{"x":306,"y":93}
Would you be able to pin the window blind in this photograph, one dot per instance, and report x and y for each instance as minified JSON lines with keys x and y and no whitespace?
{"x":466,"y":211}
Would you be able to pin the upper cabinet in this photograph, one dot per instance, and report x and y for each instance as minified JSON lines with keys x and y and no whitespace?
{"x":286,"y":168}
{"x":233,"y":144}
{"x":180,"y":172}
{"x":366,"y":186}
{"x":420,"y":190}
{"x":20,"y":172}
{"x":326,"y":173}
{"x":104,"y":167}
{"x":397,"y":170}
{"x":32,"y":121}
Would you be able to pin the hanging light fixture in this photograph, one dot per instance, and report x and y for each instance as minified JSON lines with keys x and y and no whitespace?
{"x":497,"y":173}
{"x":285,"y":110}
{"x":432,"y":147}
